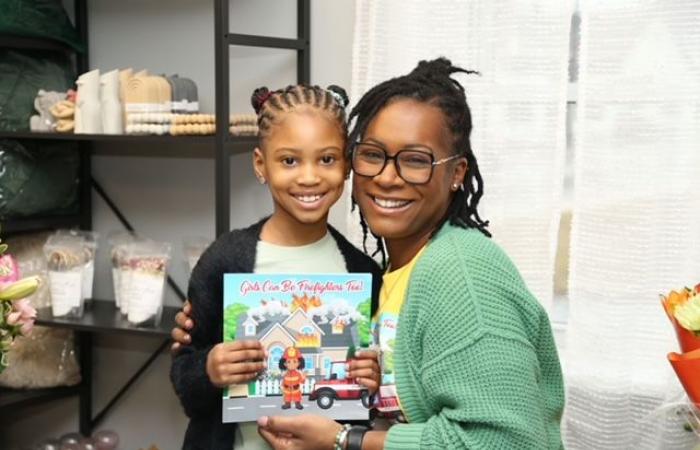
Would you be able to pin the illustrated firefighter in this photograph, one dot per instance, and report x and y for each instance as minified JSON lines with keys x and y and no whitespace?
{"x":293,"y":379}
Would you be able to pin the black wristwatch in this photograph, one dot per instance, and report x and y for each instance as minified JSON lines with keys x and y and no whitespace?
{"x":355,"y":437}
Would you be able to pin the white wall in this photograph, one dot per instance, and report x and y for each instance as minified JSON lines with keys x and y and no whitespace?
{"x":169,"y":198}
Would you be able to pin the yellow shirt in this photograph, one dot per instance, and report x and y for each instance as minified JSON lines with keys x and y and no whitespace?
{"x":384,"y":322}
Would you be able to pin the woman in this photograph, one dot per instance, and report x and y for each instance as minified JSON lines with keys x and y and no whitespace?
{"x":474,"y":359}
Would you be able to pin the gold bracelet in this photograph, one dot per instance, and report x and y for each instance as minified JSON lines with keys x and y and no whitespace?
{"x":341,"y":437}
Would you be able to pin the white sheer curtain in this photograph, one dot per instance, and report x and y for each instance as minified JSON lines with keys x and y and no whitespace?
{"x":518,"y":104}
{"x":636,"y":219}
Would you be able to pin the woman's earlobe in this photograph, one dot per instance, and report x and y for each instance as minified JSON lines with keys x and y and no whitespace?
{"x":460,"y":175}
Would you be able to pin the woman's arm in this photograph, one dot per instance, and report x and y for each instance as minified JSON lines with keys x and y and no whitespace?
{"x":180,"y":332}
{"x":475,"y":361}
{"x":484,"y":395}
{"x":374,"y":440}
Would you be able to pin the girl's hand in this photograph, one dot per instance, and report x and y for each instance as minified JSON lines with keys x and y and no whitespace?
{"x":365,"y":368}
{"x":304,"y":432}
{"x":183,"y":324}
{"x":235,"y":362}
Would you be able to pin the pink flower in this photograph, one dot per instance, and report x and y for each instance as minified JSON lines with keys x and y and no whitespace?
{"x":22,"y":314}
{"x":9,"y":270}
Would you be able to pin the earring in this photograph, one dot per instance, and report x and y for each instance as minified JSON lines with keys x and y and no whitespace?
{"x":262,"y":180}
{"x":455,"y":186}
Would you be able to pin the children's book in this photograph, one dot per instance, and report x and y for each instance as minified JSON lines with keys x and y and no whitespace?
{"x":311,"y":326}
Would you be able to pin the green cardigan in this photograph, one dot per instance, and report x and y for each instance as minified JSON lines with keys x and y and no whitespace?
{"x":476,"y":365}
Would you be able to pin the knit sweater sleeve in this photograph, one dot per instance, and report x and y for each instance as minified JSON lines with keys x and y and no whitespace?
{"x":188,"y":371}
{"x":471,"y":360}
{"x":483,"y":395}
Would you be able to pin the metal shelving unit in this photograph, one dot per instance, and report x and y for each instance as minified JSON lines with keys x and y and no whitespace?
{"x":231,"y":142}
{"x":101,"y":316}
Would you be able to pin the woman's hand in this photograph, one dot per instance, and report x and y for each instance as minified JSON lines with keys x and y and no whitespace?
{"x":304,"y":432}
{"x":235,"y":362}
{"x":365,"y":369}
{"x":183,"y":324}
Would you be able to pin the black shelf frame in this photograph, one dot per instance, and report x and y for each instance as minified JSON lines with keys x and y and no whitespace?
{"x":101,"y":316}
{"x":249,"y":40}
{"x":233,"y":144}
{"x":32,"y":224}
{"x":17,"y":398}
{"x":223,"y":40}
{"x":118,"y":138}
{"x":127,"y":138}
{"x":33,"y":43}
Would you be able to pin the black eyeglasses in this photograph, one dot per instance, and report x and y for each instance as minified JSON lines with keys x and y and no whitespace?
{"x":414,"y":166}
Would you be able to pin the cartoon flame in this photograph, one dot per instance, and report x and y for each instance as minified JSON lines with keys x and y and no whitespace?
{"x":305,"y":303}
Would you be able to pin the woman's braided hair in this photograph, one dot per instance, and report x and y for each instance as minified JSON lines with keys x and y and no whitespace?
{"x":431,"y":82}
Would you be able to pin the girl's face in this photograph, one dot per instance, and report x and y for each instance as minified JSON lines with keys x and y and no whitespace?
{"x":292,"y":364}
{"x":397,"y":210}
{"x":304,"y":166}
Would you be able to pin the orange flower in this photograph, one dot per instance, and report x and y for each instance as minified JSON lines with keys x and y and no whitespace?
{"x":675,"y":299}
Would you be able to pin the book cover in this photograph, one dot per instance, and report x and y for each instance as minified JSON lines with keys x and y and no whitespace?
{"x":311,"y":326}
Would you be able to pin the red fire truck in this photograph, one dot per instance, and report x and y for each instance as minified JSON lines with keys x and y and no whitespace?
{"x":334,"y":388}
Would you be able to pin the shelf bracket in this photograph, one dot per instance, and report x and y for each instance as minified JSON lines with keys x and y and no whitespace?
{"x":101,"y":415}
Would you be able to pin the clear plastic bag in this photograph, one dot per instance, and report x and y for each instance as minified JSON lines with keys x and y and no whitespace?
{"x":118,"y":242}
{"x":47,"y":357}
{"x":90,"y":239}
{"x":66,"y":259}
{"x":193,"y":247}
{"x":143,"y":281}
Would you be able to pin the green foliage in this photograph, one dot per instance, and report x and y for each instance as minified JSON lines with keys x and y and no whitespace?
{"x":231,"y":314}
{"x":363,"y":325}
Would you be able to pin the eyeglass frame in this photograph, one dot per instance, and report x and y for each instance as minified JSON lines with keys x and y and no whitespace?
{"x":388,"y":158}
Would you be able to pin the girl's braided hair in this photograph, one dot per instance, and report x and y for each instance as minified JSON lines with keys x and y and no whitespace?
{"x":270,"y":105}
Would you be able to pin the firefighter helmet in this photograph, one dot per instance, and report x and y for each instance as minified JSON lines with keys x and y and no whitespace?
{"x":292,"y":353}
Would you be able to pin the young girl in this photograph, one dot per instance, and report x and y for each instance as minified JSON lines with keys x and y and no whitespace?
{"x":301,"y":158}
{"x":474,"y":358}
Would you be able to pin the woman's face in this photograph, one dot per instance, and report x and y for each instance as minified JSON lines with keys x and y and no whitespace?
{"x":393,"y":208}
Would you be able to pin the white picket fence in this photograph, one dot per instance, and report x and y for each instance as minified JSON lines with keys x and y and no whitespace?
{"x":273,"y":387}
